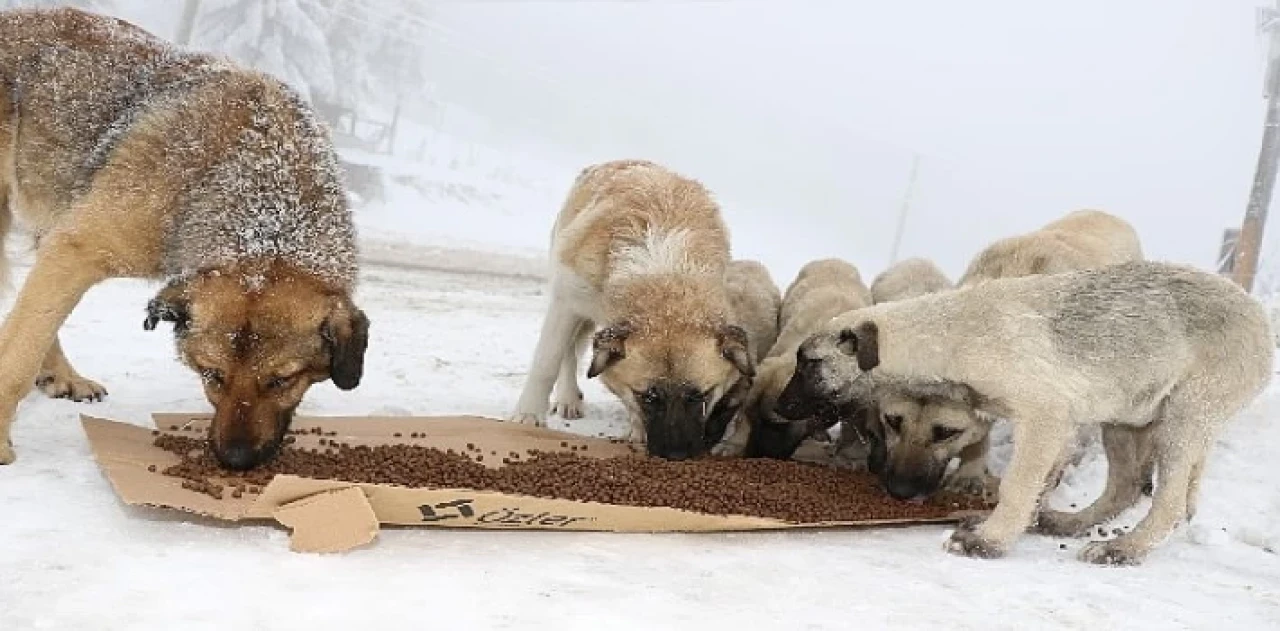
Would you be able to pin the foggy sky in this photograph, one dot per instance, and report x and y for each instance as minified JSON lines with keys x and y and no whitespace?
{"x":803,"y":116}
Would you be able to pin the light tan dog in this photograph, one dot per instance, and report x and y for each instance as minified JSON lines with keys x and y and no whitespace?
{"x":907,"y":279}
{"x":1084,"y":239}
{"x":641,"y":252}
{"x":755,"y":300}
{"x":821,"y":290}
{"x":130,"y":158}
{"x":1161,"y":356}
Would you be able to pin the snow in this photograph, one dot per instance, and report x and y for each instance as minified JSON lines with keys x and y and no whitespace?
{"x":448,"y":340}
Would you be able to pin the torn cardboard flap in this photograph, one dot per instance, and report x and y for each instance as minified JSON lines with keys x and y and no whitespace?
{"x":331,"y":521}
{"x":334,"y":515}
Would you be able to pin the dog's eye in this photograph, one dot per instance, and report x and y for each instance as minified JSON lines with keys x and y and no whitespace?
{"x":694,"y":396}
{"x":277,"y":383}
{"x":212,"y":376}
{"x":894,"y":422}
{"x":942,"y":434}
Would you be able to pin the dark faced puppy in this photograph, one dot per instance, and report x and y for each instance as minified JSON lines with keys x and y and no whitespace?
{"x":671,"y":380}
{"x":259,"y":339}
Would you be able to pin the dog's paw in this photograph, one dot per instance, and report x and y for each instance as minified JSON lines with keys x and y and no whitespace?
{"x":1115,"y":553}
{"x":967,"y":542}
{"x":528,"y":418}
{"x":729,"y":449}
{"x":569,"y":410}
{"x":1059,"y":524}
{"x":985,"y":485}
{"x":7,"y":455}
{"x":72,"y":387}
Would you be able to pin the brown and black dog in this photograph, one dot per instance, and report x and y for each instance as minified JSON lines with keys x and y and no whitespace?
{"x":129,"y":157}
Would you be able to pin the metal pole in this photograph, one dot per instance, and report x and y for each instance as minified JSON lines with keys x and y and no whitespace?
{"x":902,"y":212}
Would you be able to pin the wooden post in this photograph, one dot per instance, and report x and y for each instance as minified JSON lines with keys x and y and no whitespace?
{"x":906,"y":205}
{"x":1249,"y":245}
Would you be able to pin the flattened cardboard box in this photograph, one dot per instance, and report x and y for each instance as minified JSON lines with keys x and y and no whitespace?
{"x":335,"y":515}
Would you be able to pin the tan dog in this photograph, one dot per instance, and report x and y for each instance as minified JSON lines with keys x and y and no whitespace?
{"x":822,"y":290}
{"x":640,"y":251}
{"x":907,"y":279}
{"x":755,"y":300}
{"x":1160,"y":356}
{"x":1084,"y":239}
{"x":130,"y":158}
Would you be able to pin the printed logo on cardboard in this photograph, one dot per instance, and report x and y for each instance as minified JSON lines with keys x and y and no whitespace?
{"x":463,"y":511}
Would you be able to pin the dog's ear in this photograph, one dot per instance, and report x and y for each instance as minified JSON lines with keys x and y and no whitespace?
{"x":735,"y":347}
{"x":346,"y":336}
{"x":170,"y":305}
{"x":608,"y":346}
{"x":862,"y":342}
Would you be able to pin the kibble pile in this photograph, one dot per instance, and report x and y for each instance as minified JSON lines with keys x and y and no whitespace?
{"x":791,"y":491}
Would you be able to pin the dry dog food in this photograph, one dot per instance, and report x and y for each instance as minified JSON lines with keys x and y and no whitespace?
{"x":787,"y":490}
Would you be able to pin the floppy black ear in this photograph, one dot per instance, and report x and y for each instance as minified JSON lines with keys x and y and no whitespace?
{"x":608,"y":346}
{"x":346,"y":334}
{"x":170,"y":305}
{"x":734,"y":346}
{"x":862,"y":342}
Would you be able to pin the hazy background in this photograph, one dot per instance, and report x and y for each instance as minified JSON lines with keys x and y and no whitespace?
{"x":802,"y":116}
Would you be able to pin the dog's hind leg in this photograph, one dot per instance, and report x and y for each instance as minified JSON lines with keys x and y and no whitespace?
{"x":65,"y":268}
{"x":1181,"y":442}
{"x":58,"y":378}
{"x":568,"y":396}
{"x":1124,"y":483}
{"x":558,"y":328}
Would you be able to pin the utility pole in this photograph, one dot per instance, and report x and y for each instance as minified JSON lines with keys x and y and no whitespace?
{"x":187,"y":24}
{"x":1255,"y":217}
{"x":906,"y":206}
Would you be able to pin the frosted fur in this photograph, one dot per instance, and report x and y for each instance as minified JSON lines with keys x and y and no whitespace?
{"x":275,"y":195}
{"x":230,"y":216}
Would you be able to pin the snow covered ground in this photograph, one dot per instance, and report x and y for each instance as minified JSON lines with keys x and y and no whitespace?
{"x":447,"y":340}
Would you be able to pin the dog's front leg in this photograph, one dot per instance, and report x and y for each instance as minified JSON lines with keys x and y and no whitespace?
{"x":1037,"y":446}
{"x":558,"y":328}
{"x":64,"y":270}
{"x":58,"y":379}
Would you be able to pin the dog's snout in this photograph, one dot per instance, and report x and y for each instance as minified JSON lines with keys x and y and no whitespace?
{"x":237,"y":455}
{"x":902,"y":488}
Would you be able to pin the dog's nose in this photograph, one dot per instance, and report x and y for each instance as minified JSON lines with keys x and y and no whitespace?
{"x":902,"y":489}
{"x":237,"y":456}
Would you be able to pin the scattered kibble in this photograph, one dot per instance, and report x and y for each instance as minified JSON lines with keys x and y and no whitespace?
{"x":787,"y":490}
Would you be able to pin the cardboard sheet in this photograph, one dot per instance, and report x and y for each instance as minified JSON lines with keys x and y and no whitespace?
{"x":333,"y":515}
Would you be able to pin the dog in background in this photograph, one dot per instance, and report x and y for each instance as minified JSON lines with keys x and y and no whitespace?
{"x":821,"y":290}
{"x":907,"y":279}
{"x":1161,"y":356}
{"x":755,"y":300}
{"x":128,"y":157}
{"x":640,"y":252}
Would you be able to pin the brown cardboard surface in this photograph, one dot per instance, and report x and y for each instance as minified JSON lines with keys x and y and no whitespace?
{"x":332,"y":521}
{"x":332,"y":515}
